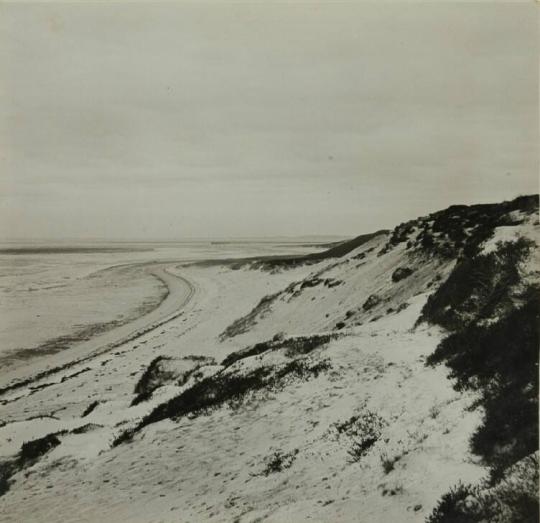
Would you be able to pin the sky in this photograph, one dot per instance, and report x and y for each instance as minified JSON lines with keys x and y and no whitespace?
{"x":220,"y":119}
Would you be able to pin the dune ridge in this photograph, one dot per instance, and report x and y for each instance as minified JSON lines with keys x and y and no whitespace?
{"x":381,"y":381}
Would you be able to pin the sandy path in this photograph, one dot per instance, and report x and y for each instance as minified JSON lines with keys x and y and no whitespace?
{"x":180,"y":292}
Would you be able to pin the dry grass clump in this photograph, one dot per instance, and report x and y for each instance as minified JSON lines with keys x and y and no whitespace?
{"x":278,"y":462}
{"x":362,"y":430}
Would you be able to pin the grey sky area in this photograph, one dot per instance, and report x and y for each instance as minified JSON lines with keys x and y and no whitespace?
{"x":232,"y":119}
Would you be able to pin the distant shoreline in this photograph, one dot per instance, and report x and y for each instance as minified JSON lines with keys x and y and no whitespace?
{"x":69,"y":250}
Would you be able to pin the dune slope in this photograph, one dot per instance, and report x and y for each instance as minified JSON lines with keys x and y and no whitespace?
{"x":370,"y":384}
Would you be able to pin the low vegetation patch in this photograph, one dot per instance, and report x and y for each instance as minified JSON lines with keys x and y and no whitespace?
{"x":388,"y":462}
{"x":30,"y":453}
{"x":294,"y":346}
{"x":401,"y":273}
{"x":90,"y":408}
{"x":459,"y":505}
{"x":459,"y":229}
{"x":371,"y":302}
{"x":89,"y":427}
{"x":149,"y":379}
{"x":228,"y":388}
{"x":362,"y":431}
{"x":514,"y":499}
{"x":501,"y":361}
{"x":493,"y":349}
{"x":278,"y":462}
{"x":164,"y":370}
{"x":478,"y":288}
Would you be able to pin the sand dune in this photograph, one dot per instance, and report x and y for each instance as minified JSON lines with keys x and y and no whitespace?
{"x":261,"y":394}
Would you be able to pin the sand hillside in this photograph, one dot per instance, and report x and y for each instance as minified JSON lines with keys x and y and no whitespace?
{"x":281,"y":392}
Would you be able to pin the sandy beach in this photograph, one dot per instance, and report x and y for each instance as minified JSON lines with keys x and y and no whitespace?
{"x":177,"y":291}
{"x":90,"y":299}
{"x":315,"y":363}
{"x":308,"y":397}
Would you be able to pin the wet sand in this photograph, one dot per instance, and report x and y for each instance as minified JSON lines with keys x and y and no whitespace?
{"x":179,"y":292}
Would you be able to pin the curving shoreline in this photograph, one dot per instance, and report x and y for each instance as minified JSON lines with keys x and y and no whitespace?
{"x":179,"y":292}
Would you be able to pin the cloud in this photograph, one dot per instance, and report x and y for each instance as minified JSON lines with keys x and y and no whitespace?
{"x":280,"y":118}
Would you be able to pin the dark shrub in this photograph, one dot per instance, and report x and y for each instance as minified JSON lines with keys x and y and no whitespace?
{"x":90,"y":408}
{"x":480,"y":219}
{"x":32,"y":450}
{"x":294,"y":345}
{"x":360,"y":448}
{"x":426,"y":240}
{"x":311,"y":282}
{"x":371,"y":302}
{"x":331,"y":283}
{"x":29,"y":454}
{"x":401,"y":273}
{"x":146,"y":382}
{"x":477,"y":287}
{"x":453,"y":507}
{"x":208,"y":393}
{"x":402,"y":306}
{"x":85,"y":428}
{"x":279,"y":461}
{"x":363,"y":430}
{"x":447,"y":235}
{"x":253,"y":350}
{"x":7,"y":469}
{"x":501,"y":360}
{"x":494,"y":351}
{"x":162,"y":370}
{"x":280,"y":336}
{"x":513,"y":499}
{"x":388,"y":463}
